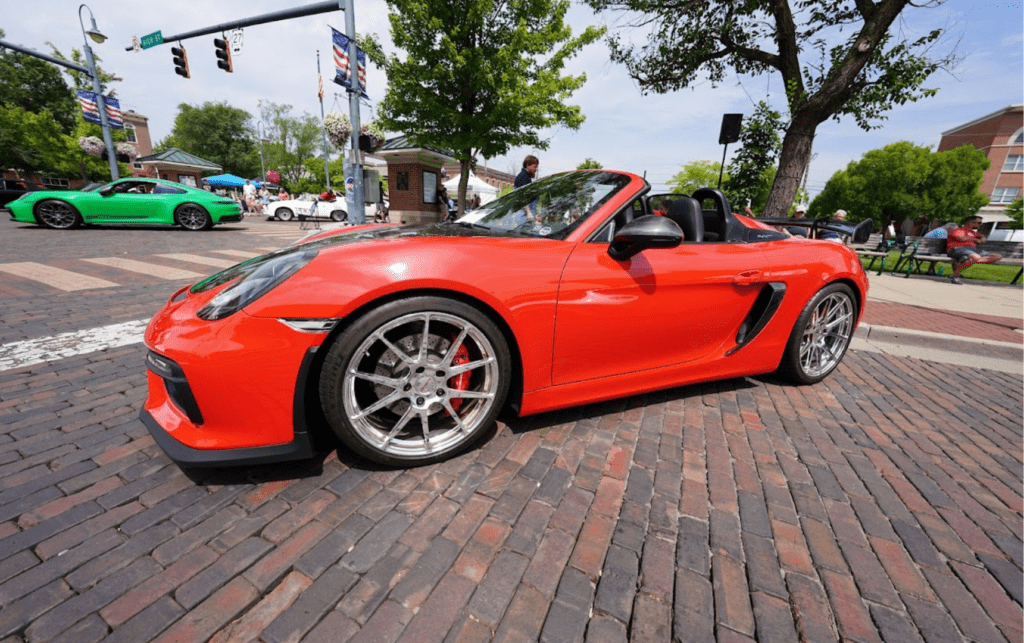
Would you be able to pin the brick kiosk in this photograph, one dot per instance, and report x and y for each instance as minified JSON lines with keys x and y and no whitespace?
{"x":414,"y":176}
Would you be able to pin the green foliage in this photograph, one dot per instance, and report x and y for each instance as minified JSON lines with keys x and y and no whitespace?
{"x":36,"y":86}
{"x":293,"y":141}
{"x":480,"y":77}
{"x":752,"y":170}
{"x":589,"y":164}
{"x":871,"y":70}
{"x":903,"y":179}
{"x":82,"y":80}
{"x":216,"y":132}
{"x":29,"y":141}
{"x":696,"y":175}
{"x":1016,"y":212}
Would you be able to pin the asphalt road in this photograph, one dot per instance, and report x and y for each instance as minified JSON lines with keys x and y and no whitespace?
{"x":883,"y":504}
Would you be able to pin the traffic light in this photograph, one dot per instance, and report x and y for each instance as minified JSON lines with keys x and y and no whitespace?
{"x":180,"y":61}
{"x":223,"y":54}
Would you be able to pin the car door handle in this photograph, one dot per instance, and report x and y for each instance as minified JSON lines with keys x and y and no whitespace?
{"x":747,"y":277}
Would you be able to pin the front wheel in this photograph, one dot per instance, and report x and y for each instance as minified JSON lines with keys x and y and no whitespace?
{"x":58,"y":215}
{"x":284,"y":214}
{"x":338,"y":215}
{"x":193,"y":217}
{"x":415,"y":381}
{"x":821,"y":335}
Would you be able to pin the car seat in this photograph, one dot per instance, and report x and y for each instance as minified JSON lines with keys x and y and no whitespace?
{"x":686,"y":212}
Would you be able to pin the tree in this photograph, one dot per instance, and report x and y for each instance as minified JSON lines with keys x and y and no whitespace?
{"x":293,"y":140}
{"x":82,"y":80}
{"x":866,"y":74}
{"x":216,"y":132}
{"x":31,"y":142}
{"x":696,"y":175}
{"x":480,"y":77}
{"x":752,"y":170}
{"x":906,"y":180}
{"x":1016,"y":212}
{"x":36,"y":86}
{"x":589,"y":164}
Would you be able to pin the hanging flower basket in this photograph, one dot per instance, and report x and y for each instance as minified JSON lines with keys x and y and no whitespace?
{"x":91,"y":145}
{"x":338,"y":128}
{"x":126,"y":149}
{"x":273,"y":176}
{"x":375,"y":134}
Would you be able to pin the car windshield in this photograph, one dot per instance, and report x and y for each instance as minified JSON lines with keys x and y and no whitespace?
{"x":552,"y":207}
{"x":91,"y":187}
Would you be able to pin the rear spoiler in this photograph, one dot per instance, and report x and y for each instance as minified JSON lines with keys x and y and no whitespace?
{"x":858,"y":232}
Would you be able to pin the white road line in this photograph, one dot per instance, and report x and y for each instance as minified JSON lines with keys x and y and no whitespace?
{"x":206,"y":261}
{"x":55,"y":277}
{"x":152,"y":269}
{"x":238,"y":253}
{"x":46,"y":349}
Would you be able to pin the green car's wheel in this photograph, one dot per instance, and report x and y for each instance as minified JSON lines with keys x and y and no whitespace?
{"x":58,"y":215}
{"x":192,"y":217}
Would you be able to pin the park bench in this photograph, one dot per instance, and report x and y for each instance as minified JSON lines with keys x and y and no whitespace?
{"x":877,"y":249}
{"x":923,"y":253}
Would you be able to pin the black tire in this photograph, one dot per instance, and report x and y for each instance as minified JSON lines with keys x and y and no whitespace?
{"x":283,"y":214}
{"x":193,"y":217}
{"x":58,"y":215}
{"x":821,"y":336}
{"x":393,"y":377}
{"x":338,"y":215}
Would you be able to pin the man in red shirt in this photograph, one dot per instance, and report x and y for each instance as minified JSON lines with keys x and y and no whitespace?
{"x":962,"y":247}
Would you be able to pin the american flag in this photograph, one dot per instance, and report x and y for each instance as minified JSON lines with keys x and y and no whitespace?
{"x":91,"y":113}
{"x":343,"y":75}
{"x":320,"y":87}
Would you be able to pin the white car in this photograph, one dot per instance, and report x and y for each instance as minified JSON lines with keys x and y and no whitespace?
{"x":292,"y":208}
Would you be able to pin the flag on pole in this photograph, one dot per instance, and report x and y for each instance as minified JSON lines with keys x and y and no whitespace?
{"x":91,"y":113}
{"x":320,"y":86}
{"x":343,"y":69}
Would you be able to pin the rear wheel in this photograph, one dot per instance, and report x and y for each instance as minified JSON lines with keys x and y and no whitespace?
{"x":821,"y":335}
{"x":284,"y":214}
{"x":193,"y":217}
{"x":58,"y":215}
{"x":338,"y":215}
{"x":415,"y":381}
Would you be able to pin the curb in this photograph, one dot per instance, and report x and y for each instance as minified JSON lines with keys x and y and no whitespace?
{"x":940,"y":341}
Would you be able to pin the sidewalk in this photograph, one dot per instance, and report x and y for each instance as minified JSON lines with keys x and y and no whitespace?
{"x":978,"y":324}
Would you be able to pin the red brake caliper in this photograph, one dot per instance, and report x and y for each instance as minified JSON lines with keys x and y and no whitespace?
{"x":460,"y":381}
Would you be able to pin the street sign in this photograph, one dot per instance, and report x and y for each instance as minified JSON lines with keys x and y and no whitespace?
{"x":236,"y":42}
{"x":152,"y":40}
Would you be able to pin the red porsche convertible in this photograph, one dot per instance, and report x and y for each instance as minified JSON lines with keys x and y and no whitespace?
{"x":407,"y":341}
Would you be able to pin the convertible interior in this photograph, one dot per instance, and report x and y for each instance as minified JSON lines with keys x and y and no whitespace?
{"x":704,"y":217}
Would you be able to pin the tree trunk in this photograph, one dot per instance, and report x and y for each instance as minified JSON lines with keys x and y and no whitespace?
{"x":796,"y":154}
{"x":464,"y":166}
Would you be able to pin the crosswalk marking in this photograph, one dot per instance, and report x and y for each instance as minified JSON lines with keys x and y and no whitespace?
{"x":206,"y":261}
{"x":56,"y":277}
{"x":238,"y":253}
{"x":152,"y":269}
{"x":46,"y":349}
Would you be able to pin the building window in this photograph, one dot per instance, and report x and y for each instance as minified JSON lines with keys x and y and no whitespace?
{"x":429,"y":187}
{"x":1019,"y":138}
{"x":187,"y":179}
{"x":1004,"y":195}
{"x":130,"y":131}
{"x":51,"y":182}
{"x":402,"y":181}
{"x":1014,"y":163}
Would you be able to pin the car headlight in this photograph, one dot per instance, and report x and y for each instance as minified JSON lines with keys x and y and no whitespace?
{"x":252,"y":280}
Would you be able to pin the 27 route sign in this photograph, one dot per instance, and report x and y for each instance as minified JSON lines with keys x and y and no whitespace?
{"x":152,"y":40}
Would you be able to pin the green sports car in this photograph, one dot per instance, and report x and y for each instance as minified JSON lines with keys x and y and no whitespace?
{"x":132,"y":201}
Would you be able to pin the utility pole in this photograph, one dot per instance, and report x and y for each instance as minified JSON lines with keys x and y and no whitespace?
{"x":356,"y":207}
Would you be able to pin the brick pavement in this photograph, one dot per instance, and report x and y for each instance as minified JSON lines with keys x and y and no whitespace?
{"x":880,"y":505}
{"x":949,"y":322}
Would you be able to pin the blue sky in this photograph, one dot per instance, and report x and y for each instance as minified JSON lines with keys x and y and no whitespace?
{"x":652,"y":134}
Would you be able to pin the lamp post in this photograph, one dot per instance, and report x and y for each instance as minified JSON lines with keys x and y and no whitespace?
{"x":101,"y":105}
{"x":259,"y":136}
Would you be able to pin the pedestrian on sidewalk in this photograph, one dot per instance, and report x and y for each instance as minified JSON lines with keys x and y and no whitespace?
{"x":962,"y":247}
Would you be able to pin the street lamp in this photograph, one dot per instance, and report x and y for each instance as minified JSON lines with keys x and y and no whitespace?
{"x":101,"y":105}
{"x":259,"y":135}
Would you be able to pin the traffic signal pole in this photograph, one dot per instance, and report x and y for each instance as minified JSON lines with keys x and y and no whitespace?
{"x":357,"y":208}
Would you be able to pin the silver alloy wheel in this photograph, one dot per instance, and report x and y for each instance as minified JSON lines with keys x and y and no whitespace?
{"x":57,"y":214}
{"x":193,"y":217}
{"x":400,"y":390}
{"x":338,"y":215}
{"x":827,"y":334}
{"x":283,"y":214}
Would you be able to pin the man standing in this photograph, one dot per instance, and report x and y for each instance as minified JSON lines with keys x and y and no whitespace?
{"x":525,"y":176}
{"x":962,"y":248}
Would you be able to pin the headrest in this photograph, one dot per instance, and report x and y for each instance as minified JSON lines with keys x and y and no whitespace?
{"x":686,"y":212}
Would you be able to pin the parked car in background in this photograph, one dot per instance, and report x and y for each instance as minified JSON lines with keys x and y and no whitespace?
{"x":126,"y":201}
{"x":13,"y":189}
{"x":302,"y":208}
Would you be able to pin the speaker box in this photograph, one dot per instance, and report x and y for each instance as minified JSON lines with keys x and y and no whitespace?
{"x":730,"y":128}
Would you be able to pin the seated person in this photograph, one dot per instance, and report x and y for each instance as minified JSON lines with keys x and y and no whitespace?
{"x":961,"y":246}
{"x":829,"y":235}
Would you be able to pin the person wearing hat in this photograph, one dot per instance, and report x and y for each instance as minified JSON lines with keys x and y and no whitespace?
{"x":840,"y":216}
{"x":798,"y":231}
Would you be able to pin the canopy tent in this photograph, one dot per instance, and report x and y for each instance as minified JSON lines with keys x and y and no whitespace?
{"x":228,"y":181}
{"x":476,"y":185}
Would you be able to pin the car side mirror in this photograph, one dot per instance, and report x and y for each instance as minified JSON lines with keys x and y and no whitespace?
{"x":106,"y":190}
{"x":646,"y":232}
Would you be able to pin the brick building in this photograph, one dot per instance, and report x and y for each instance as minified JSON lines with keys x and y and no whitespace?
{"x":414,"y":175}
{"x":1000,"y":135}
